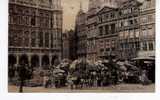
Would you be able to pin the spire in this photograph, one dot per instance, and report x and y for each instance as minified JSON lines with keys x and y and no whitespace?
{"x":80,"y":5}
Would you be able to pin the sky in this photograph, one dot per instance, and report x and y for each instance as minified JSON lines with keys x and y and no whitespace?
{"x":70,"y":10}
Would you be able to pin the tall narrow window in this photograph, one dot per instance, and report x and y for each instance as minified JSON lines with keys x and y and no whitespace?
{"x":33,"y":39}
{"x":40,"y":39}
{"x":100,"y":30}
{"x":47,"y":40}
{"x":33,"y":21}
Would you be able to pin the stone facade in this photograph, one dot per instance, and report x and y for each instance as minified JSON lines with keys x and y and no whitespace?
{"x":106,"y":40}
{"x":136,"y":28}
{"x":69,"y":45}
{"x":35,"y":32}
{"x":123,"y":28}
{"x":80,"y":31}
{"x":147,"y":28}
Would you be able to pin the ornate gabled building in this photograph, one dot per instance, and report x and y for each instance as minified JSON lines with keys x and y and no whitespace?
{"x":129,"y":29}
{"x":136,"y":28}
{"x":35,"y":32}
{"x":147,"y":28}
{"x":106,"y":40}
{"x":96,"y":6}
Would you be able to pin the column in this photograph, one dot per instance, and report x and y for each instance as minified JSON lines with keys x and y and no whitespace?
{"x":30,"y":40}
{"x":50,"y":60}
{"x":50,"y":39}
{"x":40,"y":61}
{"x":37,"y":39}
{"x":141,"y":46}
{"x":17,"y":57}
{"x":44,"y":40}
{"x":29,"y":60}
{"x":103,"y":27}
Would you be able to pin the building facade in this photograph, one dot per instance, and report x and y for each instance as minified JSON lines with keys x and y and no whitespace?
{"x":106,"y":40}
{"x":69,"y":45}
{"x":122,"y":28}
{"x":66,"y":45}
{"x":147,"y":28}
{"x":35,"y":32}
{"x":100,"y":44}
{"x":80,"y":31}
{"x":129,"y":29}
{"x":136,"y":28}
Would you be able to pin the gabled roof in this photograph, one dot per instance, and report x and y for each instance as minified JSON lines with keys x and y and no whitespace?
{"x":130,"y":3}
{"x":105,"y":9}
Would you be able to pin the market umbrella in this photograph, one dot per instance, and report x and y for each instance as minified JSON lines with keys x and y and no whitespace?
{"x":130,"y":66}
{"x":123,"y":68}
{"x":74,"y":64}
{"x":58,"y":71}
{"x":144,"y":58}
{"x":120,"y":63}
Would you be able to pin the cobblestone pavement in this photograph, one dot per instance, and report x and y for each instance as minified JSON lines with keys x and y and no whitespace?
{"x":122,"y":88}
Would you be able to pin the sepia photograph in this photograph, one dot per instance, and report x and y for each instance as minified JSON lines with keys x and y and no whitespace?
{"x":81,"y":46}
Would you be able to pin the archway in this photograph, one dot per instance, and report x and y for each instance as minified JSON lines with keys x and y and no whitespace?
{"x":34,"y":61}
{"x":23,"y":60}
{"x":45,"y":61}
{"x":11,"y":68}
{"x":12,"y":60}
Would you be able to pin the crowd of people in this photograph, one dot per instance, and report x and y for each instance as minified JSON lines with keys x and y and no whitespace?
{"x":84,"y":74}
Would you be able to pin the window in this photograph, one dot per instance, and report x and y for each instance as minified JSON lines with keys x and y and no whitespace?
{"x":122,"y":24}
{"x":126,"y":34}
{"x":137,"y":45}
{"x":145,"y":46}
{"x":151,"y":46}
{"x":100,"y":18}
{"x":112,"y":15}
{"x":106,"y":16}
{"x":100,"y":30}
{"x":135,"y":21}
{"x":107,"y":49}
{"x":120,"y":13}
{"x":125,"y":23}
{"x":151,"y":32}
{"x":26,"y":39}
{"x":33,"y":21}
{"x":144,"y":19}
{"x":113,"y":28}
{"x":137,"y":34}
{"x":131,"y":22}
{"x":40,"y":39}
{"x":33,"y":39}
{"x":106,"y":29}
{"x":121,"y":35}
{"x":101,"y":50}
{"x":131,"y":34}
{"x":47,"y":40}
{"x":150,"y":18}
{"x":144,"y":33}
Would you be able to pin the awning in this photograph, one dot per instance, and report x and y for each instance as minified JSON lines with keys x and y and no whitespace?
{"x":144,"y":58}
